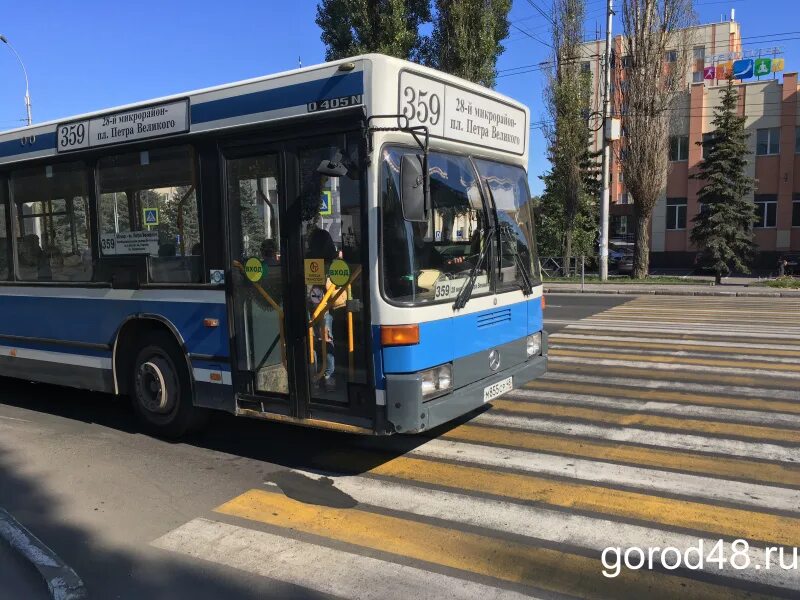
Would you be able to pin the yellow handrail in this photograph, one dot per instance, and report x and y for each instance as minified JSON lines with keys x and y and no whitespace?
{"x":274,"y":305}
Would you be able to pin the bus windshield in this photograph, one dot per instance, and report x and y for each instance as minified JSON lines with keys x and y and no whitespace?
{"x":431,"y":262}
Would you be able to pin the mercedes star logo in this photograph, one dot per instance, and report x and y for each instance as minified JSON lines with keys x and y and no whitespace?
{"x":494,"y":360}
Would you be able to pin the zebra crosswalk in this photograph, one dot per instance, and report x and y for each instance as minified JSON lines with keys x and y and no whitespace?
{"x":662,"y":422}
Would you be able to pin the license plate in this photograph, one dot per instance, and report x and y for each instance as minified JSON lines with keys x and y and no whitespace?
{"x":498,"y":389}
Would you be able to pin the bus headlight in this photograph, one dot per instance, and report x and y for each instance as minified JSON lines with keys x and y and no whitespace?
{"x":436,"y":380}
{"x":534,"y":344}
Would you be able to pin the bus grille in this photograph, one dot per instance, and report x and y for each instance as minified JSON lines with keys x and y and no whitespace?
{"x":494,"y":318}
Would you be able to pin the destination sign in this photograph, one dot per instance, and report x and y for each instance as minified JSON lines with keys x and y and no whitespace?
{"x":451,"y":112}
{"x":117,"y":128}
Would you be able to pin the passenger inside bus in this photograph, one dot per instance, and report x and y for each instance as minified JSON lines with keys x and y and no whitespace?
{"x":320,"y":245}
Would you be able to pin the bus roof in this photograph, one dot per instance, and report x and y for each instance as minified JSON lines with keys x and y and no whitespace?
{"x":336,"y":85}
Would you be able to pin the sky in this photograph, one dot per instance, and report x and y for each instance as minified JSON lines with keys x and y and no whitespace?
{"x":87,"y":55}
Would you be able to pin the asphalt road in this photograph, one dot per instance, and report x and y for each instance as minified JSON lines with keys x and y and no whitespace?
{"x":663,"y":421}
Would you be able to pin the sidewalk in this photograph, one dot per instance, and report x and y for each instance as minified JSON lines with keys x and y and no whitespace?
{"x":663,"y":289}
{"x":18,"y":577}
{"x":29,"y":569}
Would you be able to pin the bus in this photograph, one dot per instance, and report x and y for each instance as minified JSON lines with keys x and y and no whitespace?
{"x":348,"y":246}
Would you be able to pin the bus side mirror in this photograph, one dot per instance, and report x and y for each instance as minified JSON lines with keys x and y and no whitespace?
{"x":413,"y":189}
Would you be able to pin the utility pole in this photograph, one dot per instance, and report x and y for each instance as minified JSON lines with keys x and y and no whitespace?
{"x":604,"y":201}
{"x":29,"y":119}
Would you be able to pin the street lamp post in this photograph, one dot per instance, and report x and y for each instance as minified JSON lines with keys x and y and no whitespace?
{"x":4,"y":39}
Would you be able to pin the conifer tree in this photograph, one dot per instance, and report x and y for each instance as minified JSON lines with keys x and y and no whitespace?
{"x":723,"y":229}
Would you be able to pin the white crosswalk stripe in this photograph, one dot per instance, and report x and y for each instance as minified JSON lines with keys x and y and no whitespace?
{"x":521,"y":500}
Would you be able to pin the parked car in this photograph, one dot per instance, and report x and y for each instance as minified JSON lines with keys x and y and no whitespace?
{"x":620,"y":259}
{"x":624,"y":265}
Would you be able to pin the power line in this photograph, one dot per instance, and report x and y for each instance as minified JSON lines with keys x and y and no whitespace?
{"x":530,"y":35}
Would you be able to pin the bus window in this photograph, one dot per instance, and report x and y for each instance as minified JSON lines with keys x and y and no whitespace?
{"x":52,"y":225}
{"x":4,"y":246}
{"x":148,"y":206}
{"x":431,"y":261}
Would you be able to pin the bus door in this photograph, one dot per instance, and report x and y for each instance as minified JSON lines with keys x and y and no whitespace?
{"x":298,"y":284}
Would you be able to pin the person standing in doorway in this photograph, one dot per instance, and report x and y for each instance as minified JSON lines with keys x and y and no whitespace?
{"x":321,"y":246}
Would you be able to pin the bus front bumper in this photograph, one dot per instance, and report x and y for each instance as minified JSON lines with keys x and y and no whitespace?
{"x":407,"y":413}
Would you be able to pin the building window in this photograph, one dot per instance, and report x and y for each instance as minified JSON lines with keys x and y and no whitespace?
{"x":768,"y":141}
{"x":678,"y":147}
{"x":699,"y":53}
{"x":627,"y":61}
{"x":697,"y":77}
{"x":797,"y":140}
{"x":619,"y":226}
{"x":586,"y":66}
{"x":708,"y":141}
{"x":676,"y":213}
{"x":624,"y":198}
{"x":153,"y":194}
{"x":621,"y":178}
{"x":766,"y":210}
{"x":671,"y":56}
{"x":796,"y":212}
{"x":52,"y":223}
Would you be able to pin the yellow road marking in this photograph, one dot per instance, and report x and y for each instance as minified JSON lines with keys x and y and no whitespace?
{"x":635,"y":344}
{"x":757,"y":432}
{"x":730,"y":468}
{"x":686,"y":360}
{"x":717,"y":520}
{"x":680,"y":375}
{"x":506,"y":560}
{"x":710,"y":338}
{"x":661,"y":395}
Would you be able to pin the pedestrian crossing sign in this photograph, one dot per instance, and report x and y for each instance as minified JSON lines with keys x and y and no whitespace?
{"x":326,"y":203}
{"x":150,"y":216}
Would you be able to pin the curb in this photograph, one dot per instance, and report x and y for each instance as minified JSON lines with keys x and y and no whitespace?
{"x":61,"y":580}
{"x":667,"y":292}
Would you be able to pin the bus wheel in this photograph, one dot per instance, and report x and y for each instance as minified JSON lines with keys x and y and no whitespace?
{"x":161,"y":389}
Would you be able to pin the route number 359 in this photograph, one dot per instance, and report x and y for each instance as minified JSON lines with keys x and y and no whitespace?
{"x":71,"y":135}
{"x":421,"y":106}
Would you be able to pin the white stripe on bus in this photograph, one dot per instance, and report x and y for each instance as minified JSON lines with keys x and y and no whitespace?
{"x":199,"y":296}
{"x":66,"y":358}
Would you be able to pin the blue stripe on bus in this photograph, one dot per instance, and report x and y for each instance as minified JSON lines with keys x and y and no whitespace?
{"x":43,"y":141}
{"x":212,"y":366}
{"x":377,"y":358}
{"x":97,"y":320}
{"x":455,"y":337}
{"x":277,"y":98}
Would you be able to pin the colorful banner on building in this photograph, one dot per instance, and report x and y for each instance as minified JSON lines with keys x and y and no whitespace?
{"x":762,"y":66}
{"x":709,"y":73}
{"x":743,"y":69}
{"x":724,"y":69}
{"x":777,"y":65}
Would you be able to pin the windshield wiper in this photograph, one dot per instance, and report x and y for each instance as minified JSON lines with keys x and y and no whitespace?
{"x":465,"y":292}
{"x":527,"y":285}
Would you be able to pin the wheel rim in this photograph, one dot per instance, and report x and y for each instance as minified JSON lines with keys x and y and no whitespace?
{"x":155,"y":385}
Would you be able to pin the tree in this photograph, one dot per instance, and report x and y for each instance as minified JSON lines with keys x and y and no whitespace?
{"x":466,"y":38}
{"x":724,"y":227}
{"x":652,"y":79}
{"x":351,"y":27}
{"x":573,"y":175}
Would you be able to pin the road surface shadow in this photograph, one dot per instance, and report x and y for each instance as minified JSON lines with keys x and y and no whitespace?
{"x":111,"y":573}
{"x":289,"y":446}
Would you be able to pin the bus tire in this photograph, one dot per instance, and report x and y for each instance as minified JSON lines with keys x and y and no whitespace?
{"x":160,"y":388}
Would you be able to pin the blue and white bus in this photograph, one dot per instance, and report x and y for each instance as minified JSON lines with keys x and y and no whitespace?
{"x":349,"y":245}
